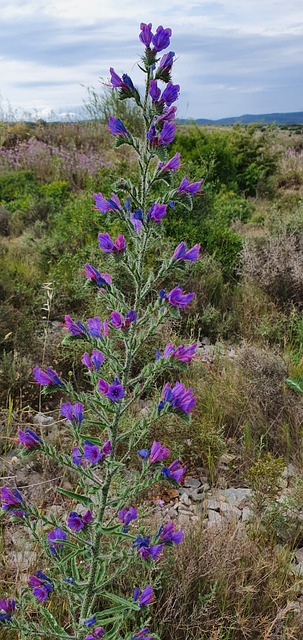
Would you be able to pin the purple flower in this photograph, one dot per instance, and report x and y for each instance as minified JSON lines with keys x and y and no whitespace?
{"x":150,"y":553}
{"x":168,"y":534}
{"x":117,"y":127}
{"x":42,"y":586}
{"x":76,"y":456}
{"x":154,"y":91}
{"x":94,"y":361}
{"x":181,"y":253}
{"x":167,"y":60}
{"x":73,"y":413}
{"x":181,"y":353}
{"x":116,"y":319}
{"x":119,"y":323}
{"x":168,"y":115}
{"x":125,"y":83}
{"x":161,"y":39}
{"x":144,"y":453}
{"x":158,"y":452}
{"x":126,"y":515}
{"x":107,"y":448}
{"x":172,"y":165}
{"x":177,"y":299}
{"x":179,"y":397}
{"x":7,"y":609}
{"x":98,"y":632}
{"x":142,"y":635}
{"x":95,"y":327}
{"x":157,"y":212}
{"x":110,"y":204}
{"x":146,"y":596}
{"x":175,"y":471}
{"x":114,"y":391}
{"x":90,"y":621}
{"x":186,"y":187}
{"x":10,"y":500}
{"x":168,"y":133}
{"x":77,"y":522}
{"x":146,"y":551}
{"x":50,"y":377}
{"x":54,"y":538}
{"x":75,"y":328}
{"x":146,"y":33}
{"x":170,"y":93}
{"x":29,"y":438}
{"x":101,"y":279}
{"x":152,"y":135}
{"x":136,"y":219}
{"x":92,"y":452}
{"x":108,"y":245}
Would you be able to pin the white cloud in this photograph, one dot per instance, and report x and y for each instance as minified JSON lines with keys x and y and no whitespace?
{"x":226,"y":49}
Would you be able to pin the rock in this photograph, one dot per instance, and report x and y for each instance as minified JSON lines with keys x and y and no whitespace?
{"x":192,"y":483}
{"x":214,"y":519}
{"x":238,"y":497}
{"x":186,"y":490}
{"x":205,"y":340}
{"x":227,"y":458}
{"x":205,"y":486}
{"x":185,"y":499}
{"x":289,"y":471}
{"x":297,"y":569}
{"x":299,"y":555}
{"x":214,"y":505}
{"x":46,"y":423}
{"x":196,"y":496}
{"x":184,"y":520}
{"x":246,"y":514}
{"x":229,"y":511}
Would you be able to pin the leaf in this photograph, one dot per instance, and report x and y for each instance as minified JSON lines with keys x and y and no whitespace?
{"x":53,"y":624}
{"x":295,"y":384}
{"x":174,"y":312}
{"x":87,"y":502}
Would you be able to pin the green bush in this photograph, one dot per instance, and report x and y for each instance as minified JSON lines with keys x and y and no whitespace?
{"x":17,"y":184}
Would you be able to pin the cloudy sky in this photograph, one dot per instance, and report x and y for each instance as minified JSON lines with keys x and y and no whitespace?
{"x":233,"y":56}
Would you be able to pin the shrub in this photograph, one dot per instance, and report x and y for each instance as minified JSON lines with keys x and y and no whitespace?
{"x":276,"y":264}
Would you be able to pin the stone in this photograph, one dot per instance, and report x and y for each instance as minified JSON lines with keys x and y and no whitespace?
{"x":205,"y":340}
{"x":185,"y":499}
{"x":205,"y":486}
{"x":227,"y":458}
{"x":299,"y":555}
{"x":238,"y":497}
{"x":246,"y":514}
{"x":214,"y":519}
{"x":229,"y":511}
{"x":214,"y":505}
{"x":192,"y":483}
{"x":196,"y":496}
{"x":297,"y":569}
{"x":184,"y":520}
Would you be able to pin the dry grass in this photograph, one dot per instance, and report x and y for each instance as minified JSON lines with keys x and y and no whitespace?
{"x":222,"y":585}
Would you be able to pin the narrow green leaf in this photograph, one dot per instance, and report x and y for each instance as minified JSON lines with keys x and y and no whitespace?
{"x":53,"y":624}
{"x":295,"y":384}
{"x":87,"y":502}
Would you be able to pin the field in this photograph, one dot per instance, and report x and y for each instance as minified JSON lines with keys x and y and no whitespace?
{"x":242,"y":577}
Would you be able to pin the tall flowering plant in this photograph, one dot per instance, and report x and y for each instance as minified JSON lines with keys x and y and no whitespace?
{"x":85,"y":553}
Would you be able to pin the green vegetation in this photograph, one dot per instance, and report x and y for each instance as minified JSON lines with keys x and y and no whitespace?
{"x":234,"y":585}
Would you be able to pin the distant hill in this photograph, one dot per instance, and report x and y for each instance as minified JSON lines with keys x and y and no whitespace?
{"x":264,"y":118}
